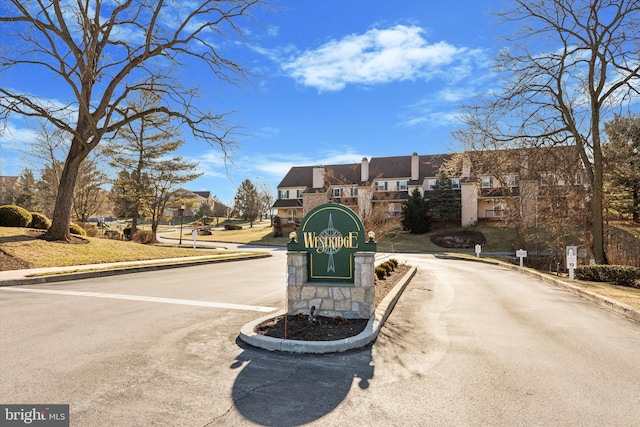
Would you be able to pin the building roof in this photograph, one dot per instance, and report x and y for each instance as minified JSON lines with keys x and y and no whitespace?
{"x":394,"y":167}
{"x":204,"y":194}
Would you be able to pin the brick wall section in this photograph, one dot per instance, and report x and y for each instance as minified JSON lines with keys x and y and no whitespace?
{"x":349,"y":300}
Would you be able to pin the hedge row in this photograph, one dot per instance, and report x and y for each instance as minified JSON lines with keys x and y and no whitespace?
{"x":385,"y":268}
{"x":620,"y":275}
{"x":16,"y":216}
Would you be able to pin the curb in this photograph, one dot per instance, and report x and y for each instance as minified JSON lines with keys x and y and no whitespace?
{"x":608,"y":303}
{"x":368,"y":335}
{"x":118,"y":270}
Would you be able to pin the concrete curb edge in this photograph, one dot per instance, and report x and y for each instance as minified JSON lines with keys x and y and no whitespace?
{"x":368,"y":335}
{"x":115,"y":271}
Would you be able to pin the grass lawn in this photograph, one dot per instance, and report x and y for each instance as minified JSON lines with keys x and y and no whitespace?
{"x":19,"y":243}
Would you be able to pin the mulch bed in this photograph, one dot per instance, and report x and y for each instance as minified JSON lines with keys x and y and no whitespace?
{"x":301,"y":327}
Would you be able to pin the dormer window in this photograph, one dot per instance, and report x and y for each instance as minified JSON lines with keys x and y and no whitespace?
{"x":337,"y":193}
{"x":382,"y":186}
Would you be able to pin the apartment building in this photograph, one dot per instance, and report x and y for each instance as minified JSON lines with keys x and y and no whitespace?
{"x":493,"y":185}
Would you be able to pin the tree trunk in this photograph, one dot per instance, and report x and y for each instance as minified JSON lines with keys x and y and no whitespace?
{"x":597,"y":206}
{"x":59,"y":229}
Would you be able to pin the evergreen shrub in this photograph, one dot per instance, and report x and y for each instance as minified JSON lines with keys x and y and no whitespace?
{"x":14,"y":216}
{"x":39,"y":221}
{"x":620,"y":275}
{"x":76,"y":229}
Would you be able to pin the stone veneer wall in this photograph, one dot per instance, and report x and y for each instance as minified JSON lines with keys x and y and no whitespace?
{"x":349,"y":300}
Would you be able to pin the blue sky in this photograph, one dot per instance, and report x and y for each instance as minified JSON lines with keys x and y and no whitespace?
{"x":336,"y":81}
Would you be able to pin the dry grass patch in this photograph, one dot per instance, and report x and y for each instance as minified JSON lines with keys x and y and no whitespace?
{"x":25,"y":245}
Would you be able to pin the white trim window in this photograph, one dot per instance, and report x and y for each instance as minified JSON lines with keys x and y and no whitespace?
{"x":299,"y":194}
{"x":283,"y":194}
{"x":487,"y":182}
{"x":337,"y":193}
{"x":402,"y":185}
{"x":512,"y":181}
{"x":382,"y":185}
{"x":455,"y":183}
{"x":353,"y":192}
{"x":577,"y":179}
{"x":432,"y":183}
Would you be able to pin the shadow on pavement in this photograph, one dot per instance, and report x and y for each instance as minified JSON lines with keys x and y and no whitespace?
{"x":286,"y":389}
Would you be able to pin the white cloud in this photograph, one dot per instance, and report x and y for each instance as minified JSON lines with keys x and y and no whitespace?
{"x":375,"y":57}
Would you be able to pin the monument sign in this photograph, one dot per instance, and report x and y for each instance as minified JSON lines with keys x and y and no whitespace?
{"x":331,"y":234}
{"x":330,"y":265}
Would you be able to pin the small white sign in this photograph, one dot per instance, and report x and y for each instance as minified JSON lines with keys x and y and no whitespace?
{"x":572,"y":257}
{"x":521,"y":253}
{"x":478,"y":250}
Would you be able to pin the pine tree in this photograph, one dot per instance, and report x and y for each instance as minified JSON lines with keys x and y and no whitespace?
{"x":27,"y":195}
{"x":415,"y":214}
{"x":147,"y":178}
{"x":622,"y":157}
{"x":445,"y":202}
{"x":247,"y":201}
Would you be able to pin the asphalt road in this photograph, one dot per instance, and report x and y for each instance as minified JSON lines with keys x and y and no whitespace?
{"x":467,"y":344}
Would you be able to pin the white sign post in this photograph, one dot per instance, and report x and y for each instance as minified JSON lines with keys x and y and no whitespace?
{"x":194,"y":234}
{"x":521,"y":253}
{"x":572,"y":260}
{"x":478,"y":250}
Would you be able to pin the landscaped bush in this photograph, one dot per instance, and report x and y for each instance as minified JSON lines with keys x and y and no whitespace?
{"x":144,"y":236}
{"x":380,"y":272}
{"x":394,"y":262}
{"x":14,"y":216}
{"x":277,"y":226}
{"x":388,"y":268}
{"x":91,"y":229}
{"x":620,"y":275}
{"x":76,"y":229}
{"x":232,"y":227}
{"x":113,"y":235}
{"x":39,"y":221}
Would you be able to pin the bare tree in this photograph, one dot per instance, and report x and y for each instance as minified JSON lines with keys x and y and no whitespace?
{"x":571,"y":64}
{"x":266,"y":198}
{"x":105,"y":52}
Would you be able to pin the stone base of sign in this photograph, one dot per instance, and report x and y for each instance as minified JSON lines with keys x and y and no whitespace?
{"x":349,"y":300}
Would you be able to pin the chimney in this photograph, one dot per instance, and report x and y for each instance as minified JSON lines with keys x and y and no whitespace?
{"x":415,"y":166}
{"x":318,"y":176}
{"x":364,"y":170}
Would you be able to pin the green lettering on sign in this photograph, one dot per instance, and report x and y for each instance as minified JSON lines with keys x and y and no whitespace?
{"x":331,"y":234}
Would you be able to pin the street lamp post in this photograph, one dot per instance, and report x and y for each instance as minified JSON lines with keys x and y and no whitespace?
{"x":181,"y":217}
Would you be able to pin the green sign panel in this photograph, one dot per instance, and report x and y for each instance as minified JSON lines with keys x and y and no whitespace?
{"x":331,"y":234}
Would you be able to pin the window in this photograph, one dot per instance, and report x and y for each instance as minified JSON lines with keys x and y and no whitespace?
{"x":283,"y":194}
{"x":577,"y":180}
{"x":337,"y":192}
{"x":512,"y":181}
{"x":487,"y":182}
{"x":292,"y":214}
{"x":353,"y":192}
{"x":382,"y":185}
{"x":431,"y":183}
{"x":498,"y":209}
{"x":455,"y":183}
{"x":299,"y":194}
{"x":402,"y":185}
